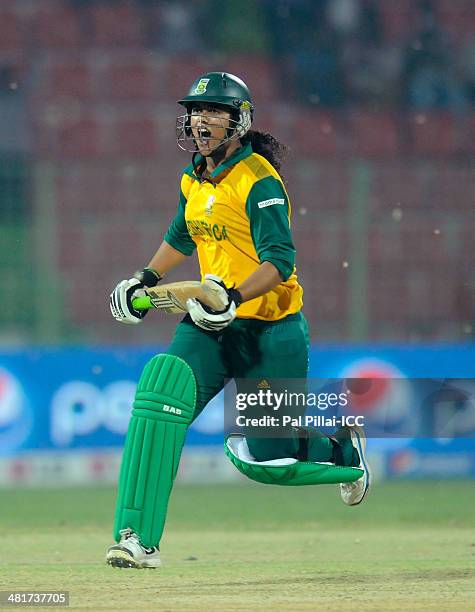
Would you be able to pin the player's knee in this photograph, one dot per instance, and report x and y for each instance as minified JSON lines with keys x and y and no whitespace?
{"x":166,"y":390}
{"x":254,"y":447}
{"x":266,"y":449}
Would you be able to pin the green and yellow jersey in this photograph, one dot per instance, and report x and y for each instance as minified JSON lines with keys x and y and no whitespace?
{"x":236,"y":222}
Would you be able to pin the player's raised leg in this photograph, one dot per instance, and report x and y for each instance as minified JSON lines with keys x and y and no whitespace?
{"x":281,"y":354}
{"x":163,"y":409}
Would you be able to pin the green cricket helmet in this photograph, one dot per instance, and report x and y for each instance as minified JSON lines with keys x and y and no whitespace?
{"x":226,"y":91}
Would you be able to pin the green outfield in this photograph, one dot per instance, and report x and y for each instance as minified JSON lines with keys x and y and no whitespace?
{"x":253,"y":547}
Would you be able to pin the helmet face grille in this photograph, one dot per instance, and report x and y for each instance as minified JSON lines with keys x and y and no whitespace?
{"x":236,"y":129}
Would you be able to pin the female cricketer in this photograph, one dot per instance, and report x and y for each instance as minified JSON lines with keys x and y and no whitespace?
{"x":235,"y":211}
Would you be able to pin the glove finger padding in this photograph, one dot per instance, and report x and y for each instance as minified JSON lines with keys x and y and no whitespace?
{"x":216,"y":279}
{"x":121,"y":302}
{"x":122,"y":297}
{"x":115,"y":303}
{"x":221,"y":290}
{"x":228,"y":294}
{"x":129,"y":290}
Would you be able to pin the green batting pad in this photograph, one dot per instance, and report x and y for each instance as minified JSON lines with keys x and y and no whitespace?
{"x":163,"y":409}
{"x":286,"y":471}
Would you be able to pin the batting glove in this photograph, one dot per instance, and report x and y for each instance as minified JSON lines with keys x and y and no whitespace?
{"x":121,"y":298}
{"x":212,"y":320}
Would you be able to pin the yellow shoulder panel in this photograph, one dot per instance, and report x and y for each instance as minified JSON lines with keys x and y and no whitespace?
{"x":186,"y":183}
{"x":251,"y":170}
{"x":259,"y":167}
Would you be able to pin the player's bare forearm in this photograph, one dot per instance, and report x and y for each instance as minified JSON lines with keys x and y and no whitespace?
{"x":165,"y":259}
{"x":265,"y":278}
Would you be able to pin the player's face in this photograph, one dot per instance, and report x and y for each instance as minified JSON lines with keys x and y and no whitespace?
{"x":209,"y":126}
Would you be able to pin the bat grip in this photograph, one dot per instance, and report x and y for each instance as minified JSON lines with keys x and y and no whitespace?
{"x":142,"y":303}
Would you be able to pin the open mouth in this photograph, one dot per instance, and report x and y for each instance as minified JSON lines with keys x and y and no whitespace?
{"x":204,"y":134}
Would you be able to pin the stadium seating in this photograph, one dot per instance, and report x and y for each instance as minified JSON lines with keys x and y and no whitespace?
{"x":177,"y":74}
{"x":433,"y":134}
{"x":458,"y":18}
{"x":131,"y":76}
{"x":400,"y":185}
{"x":57,"y":27}
{"x":373,"y":134}
{"x":117,"y":24}
{"x":314,"y":133}
{"x":63,"y":76}
{"x":398,"y":19}
{"x":103,"y":107}
{"x":259,"y":73}
{"x":13,"y":30}
{"x":136,"y":136}
{"x":83,"y":137}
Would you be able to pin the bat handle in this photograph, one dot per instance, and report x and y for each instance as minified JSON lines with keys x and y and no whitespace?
{"x":142,"y":303}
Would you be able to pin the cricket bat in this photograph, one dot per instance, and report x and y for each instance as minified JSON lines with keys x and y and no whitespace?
{"x":171,"y":297}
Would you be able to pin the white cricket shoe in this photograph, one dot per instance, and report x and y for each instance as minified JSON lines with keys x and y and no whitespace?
{"x":353,"y":493}
{"x":129,"y":552}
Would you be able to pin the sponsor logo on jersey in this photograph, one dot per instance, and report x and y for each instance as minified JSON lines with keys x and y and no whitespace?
{"x":271,"y":202}
{"x":201,"y":87}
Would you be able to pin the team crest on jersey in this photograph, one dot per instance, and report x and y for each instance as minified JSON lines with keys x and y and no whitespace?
{"x":209,"y":206}
{"x":201,"y":87}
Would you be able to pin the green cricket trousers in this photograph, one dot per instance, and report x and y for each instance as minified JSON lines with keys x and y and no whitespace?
{"x":255,"y":349}
{"x":246,"y":349}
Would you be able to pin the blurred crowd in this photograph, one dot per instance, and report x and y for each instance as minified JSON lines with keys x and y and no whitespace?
{"x":337,"y":53}
{"x":330,"y":53}
{"x":86,"y":110}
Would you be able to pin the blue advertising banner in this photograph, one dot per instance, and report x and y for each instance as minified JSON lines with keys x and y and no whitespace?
{"x":405,"y":456}
{"x":77,"y":398}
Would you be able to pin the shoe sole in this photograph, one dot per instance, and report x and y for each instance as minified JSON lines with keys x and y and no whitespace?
{"x":361,"y":448}
{"x":123,"y":560}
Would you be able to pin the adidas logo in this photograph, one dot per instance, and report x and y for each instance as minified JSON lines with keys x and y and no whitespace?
{"x":263,"y":384}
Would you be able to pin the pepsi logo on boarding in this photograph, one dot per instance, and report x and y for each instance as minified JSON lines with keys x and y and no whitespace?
{"x":15,"y":415}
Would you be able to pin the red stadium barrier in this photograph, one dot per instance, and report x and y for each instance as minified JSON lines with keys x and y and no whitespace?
{"x":13,"y":30}
{"x":374,"y":134}
{"x":117,"y":24}
{"x":314,"y":133}
{"x":65,"y":76}
{"x":131,"y":76}
{"x":57,"y":27}
{"x":433,"y":134}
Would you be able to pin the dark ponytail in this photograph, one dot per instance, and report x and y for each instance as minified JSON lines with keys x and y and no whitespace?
{"x":262,"y":143}
{"x":269,"y":147}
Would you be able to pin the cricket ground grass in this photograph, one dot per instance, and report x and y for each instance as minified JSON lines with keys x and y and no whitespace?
{"x":410,"y":546}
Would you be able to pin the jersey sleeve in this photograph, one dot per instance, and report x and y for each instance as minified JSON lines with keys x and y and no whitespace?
{"x":177,"y":234}
{"x":267,"y":207}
